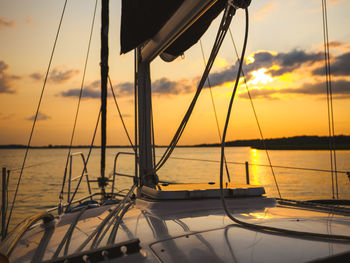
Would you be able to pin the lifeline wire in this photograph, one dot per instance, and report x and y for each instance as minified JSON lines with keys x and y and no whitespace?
{"x":79,"y":100}
{"x":36,"y":114}
{"x":256,"y":118}
{"x":261,"y":228}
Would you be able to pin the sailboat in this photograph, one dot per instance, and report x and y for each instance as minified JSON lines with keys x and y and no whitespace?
{"x":159,"y":221}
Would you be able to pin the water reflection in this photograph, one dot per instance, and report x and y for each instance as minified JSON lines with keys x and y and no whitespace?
{"x":254,"y":169}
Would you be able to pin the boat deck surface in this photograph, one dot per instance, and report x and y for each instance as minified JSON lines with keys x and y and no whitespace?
{"x":195,"y":230}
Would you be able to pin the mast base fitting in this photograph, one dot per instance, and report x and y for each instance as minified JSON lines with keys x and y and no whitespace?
{"x":102,"y":181}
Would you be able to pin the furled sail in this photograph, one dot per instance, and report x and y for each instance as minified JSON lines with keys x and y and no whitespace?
{"x":142,"y":19}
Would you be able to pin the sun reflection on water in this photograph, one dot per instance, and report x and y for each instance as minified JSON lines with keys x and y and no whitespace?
{"x":254,"y":170}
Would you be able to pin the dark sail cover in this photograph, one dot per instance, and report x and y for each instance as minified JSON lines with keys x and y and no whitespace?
{"x":142,"y":19}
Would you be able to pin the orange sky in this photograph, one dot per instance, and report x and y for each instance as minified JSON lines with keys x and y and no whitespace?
{"x":284,"y":69}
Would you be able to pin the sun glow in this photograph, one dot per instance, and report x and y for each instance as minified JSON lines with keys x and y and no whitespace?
{"x":259,"y":76}
{"x":250,"y":60}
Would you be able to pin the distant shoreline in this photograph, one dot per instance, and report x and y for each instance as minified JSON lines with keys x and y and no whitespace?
{"x":342,"y":142}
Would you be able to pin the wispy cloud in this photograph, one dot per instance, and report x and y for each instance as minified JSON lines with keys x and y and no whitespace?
{"x":6,"y":79}
{"x":265,"y":11}
{"x":6,"y":23}
{"x":41,"y":117}
{"x":58,"y":75}
{"x":36,"y":76}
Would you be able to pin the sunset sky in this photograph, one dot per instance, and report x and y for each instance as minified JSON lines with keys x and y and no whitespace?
{"x":284,"y":68}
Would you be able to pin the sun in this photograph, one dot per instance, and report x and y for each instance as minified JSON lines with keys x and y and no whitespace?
{"x":259,"y":76}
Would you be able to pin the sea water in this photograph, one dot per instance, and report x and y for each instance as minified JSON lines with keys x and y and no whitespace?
{"x":42,"y":179}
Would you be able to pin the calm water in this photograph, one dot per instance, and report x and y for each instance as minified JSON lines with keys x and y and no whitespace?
{"x":41,"y":183}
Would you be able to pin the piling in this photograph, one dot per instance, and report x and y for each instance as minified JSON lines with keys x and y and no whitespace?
{"x":247,"y":171}
{"x":3,"y":204}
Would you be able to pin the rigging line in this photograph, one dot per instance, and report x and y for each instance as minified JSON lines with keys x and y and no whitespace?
{"x":328,"y":103}
{"x":261,"y":228}
{"x":79,"y":101}
{"x":113,"y":234}
{"x":189,"y":111}
{"x":214,"y":108}
{"x":86,"y":162}
{"x":255,"y":164}
{"x":329,"y":100}
{"x":120,"y":114}
{"x":225,"y":22}
{"x":256,"y":116}
{"x":153,"y":139}
{"x":100,"y":227}
{"x":37,"y":113}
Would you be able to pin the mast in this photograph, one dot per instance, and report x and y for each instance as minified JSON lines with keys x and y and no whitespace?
{"x":104,"y":76}
{"x":186,"y":15}
{"x":144,"y":104}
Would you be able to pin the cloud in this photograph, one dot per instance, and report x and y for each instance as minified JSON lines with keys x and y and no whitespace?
{"x":7,"y":116}
{"x":265,"y":11}
{"x":60,"y":76}
{"x":340,"y":90}
{"x":36,"y":76}
{"x":164,"y":86}
{"x":264,"y":93}
{"x":6,"y":79}
{"x":6,"y":23}
{"x":160,"y":87}
{"x":340,"y":66}
{"x":90,"y":91}
{"x":57,"y":75}
{"x":260,"y":68}
{"x":41,"y":117}
{"x":285,"y":62}
{"x":124,"y":89}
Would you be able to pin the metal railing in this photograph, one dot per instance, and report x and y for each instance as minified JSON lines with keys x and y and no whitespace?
{"x":115,"y":166}
{"x":83,"y":174}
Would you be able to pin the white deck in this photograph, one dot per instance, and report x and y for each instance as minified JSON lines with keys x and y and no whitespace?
{"x":199,"y":230}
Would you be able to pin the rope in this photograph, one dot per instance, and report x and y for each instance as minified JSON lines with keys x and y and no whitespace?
{"x":256,"y":118}
{"x":214,"y":109}
{"x":225,"y":23}
{"x":333,"y":159}
{"x":78,"y":106}
{"x":36,"y":115}
{"x":120,"y":114}
{"x":261,"y":228}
